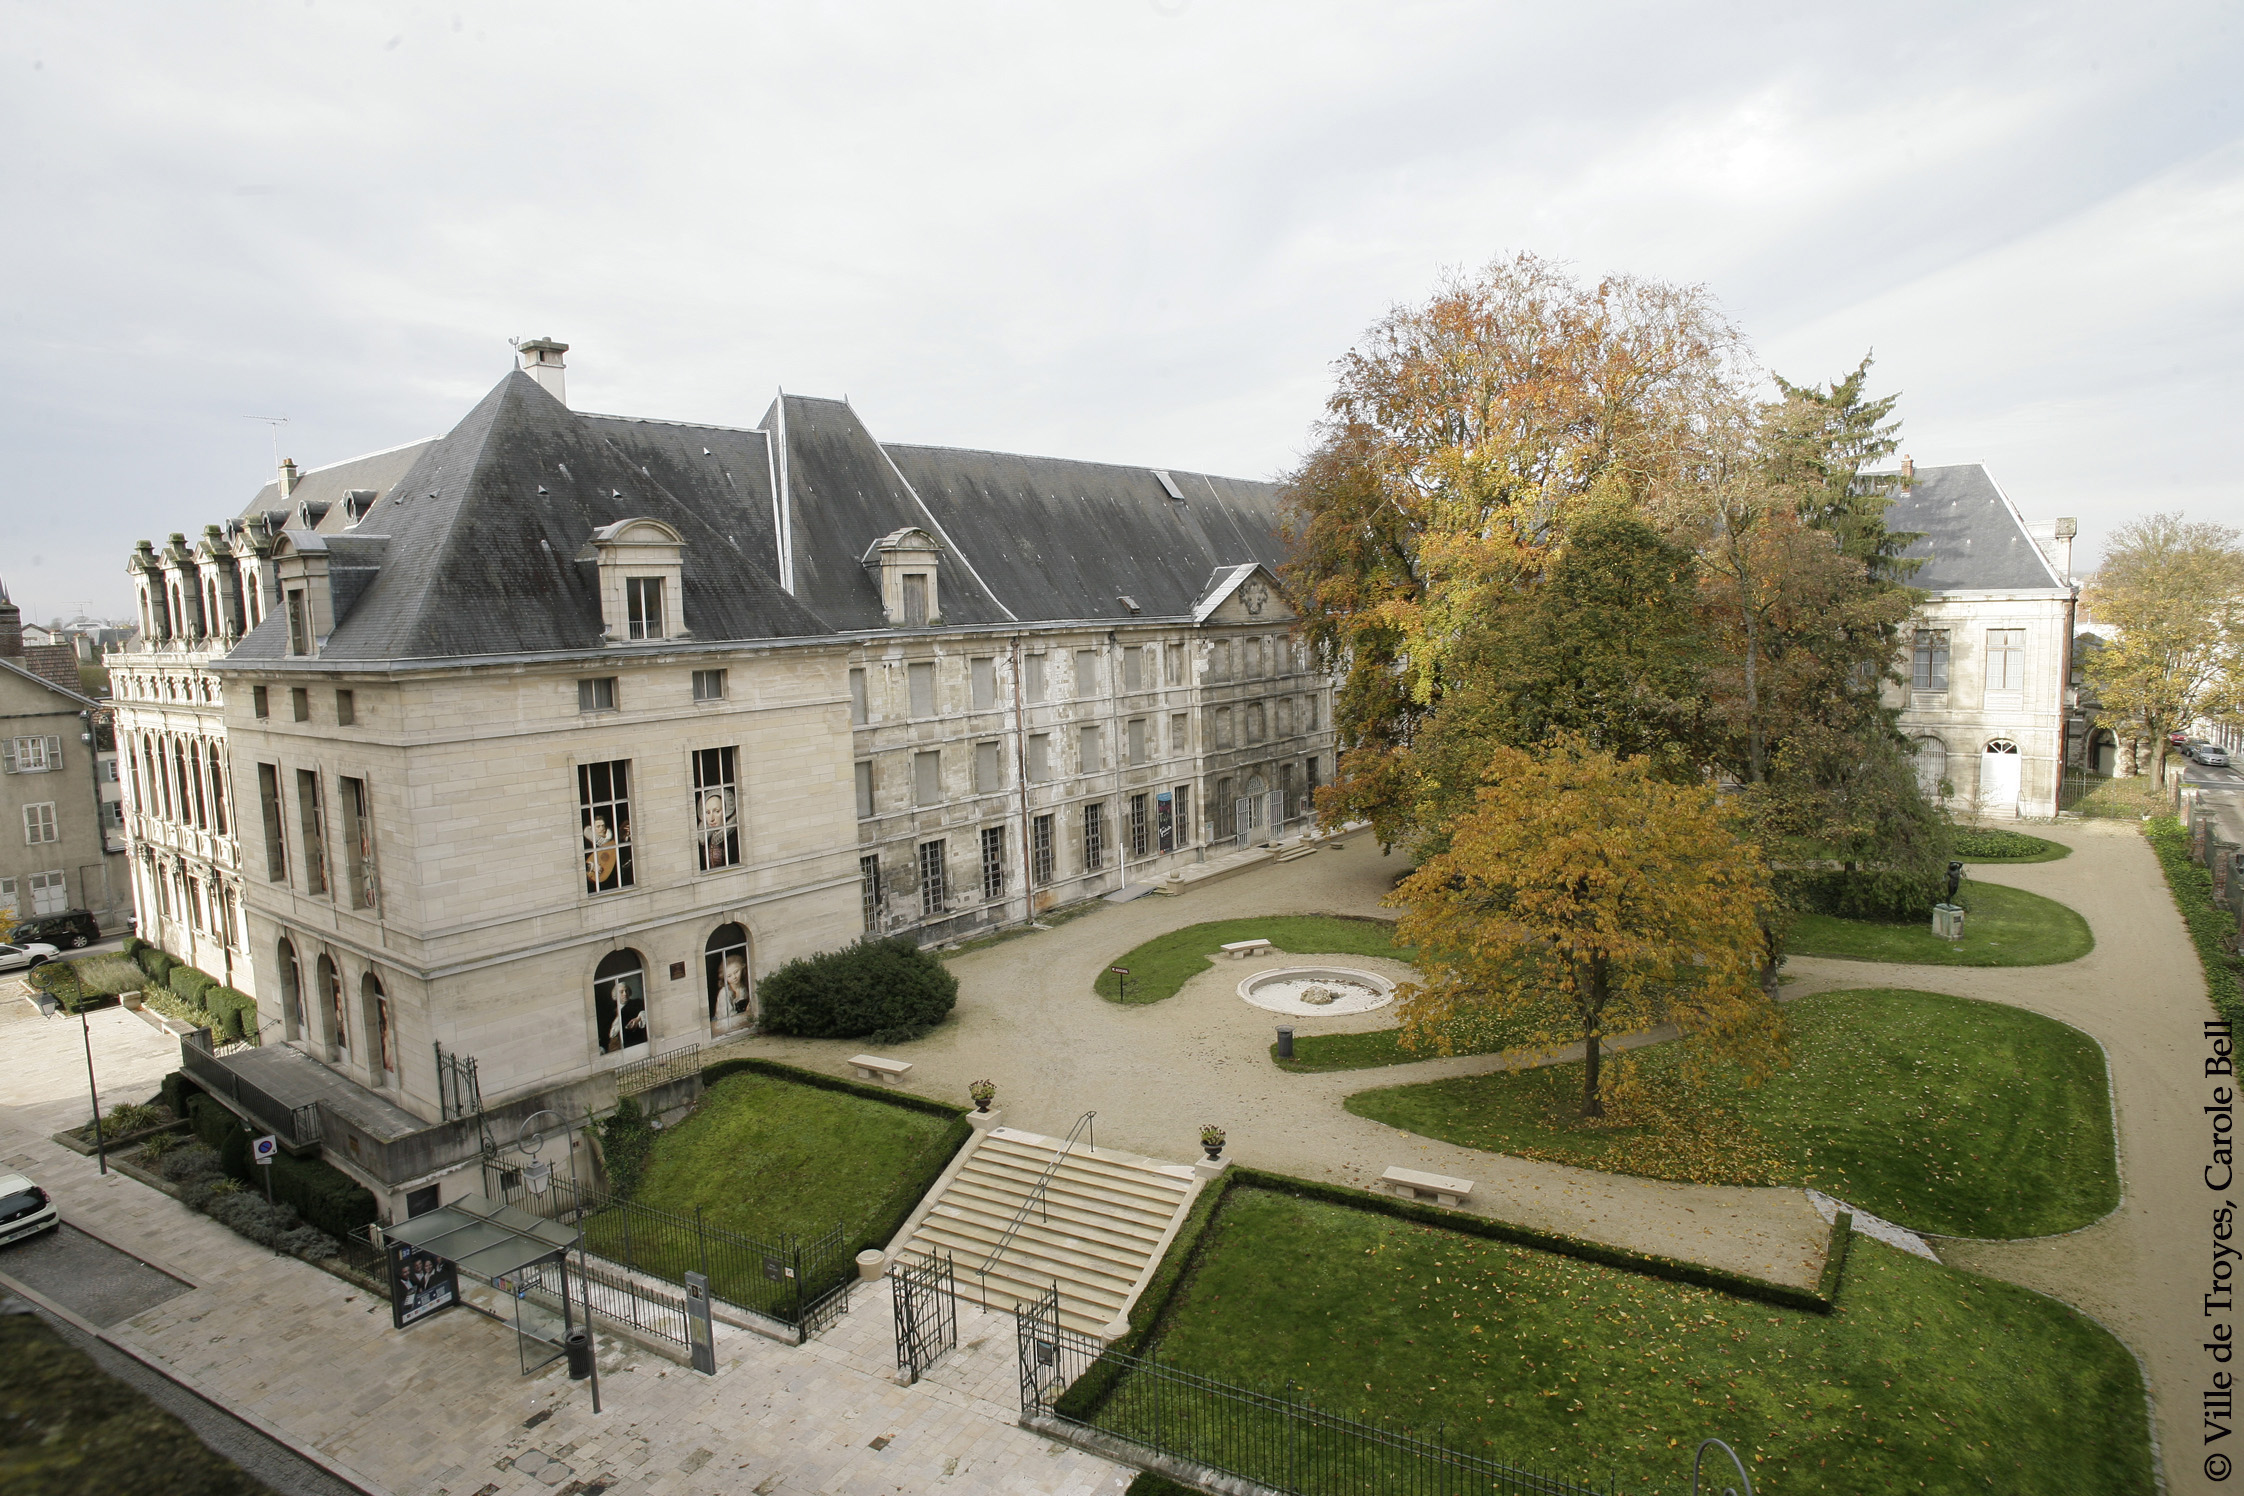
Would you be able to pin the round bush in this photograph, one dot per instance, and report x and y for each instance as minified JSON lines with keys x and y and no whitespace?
{"x":885,"y":990}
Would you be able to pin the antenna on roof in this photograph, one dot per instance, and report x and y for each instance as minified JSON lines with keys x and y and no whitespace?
{"x":276,"y":422}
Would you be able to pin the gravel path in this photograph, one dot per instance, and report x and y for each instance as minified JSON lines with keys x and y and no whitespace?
{"x":2140,"y":993}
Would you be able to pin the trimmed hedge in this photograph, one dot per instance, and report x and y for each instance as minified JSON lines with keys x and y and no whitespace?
{"x":1853,"y":896}
{"x":156,"y":964}
{"x":235,"y":1012}
{"x":2210,"y":926}
{"x":711,"y":1074}
{"x":190,"y":985}
{"x":175,"y":1090}
{"x":131,"y":947}
{"x":323,"y":1195}
{"x":1082,"y":1400}
{"x":887,"y":991}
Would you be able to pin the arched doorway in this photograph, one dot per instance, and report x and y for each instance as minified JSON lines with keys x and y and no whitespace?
{"x":381,"y":1031}
{"x":2103,"y":752}
{"x":1932,"y":767}
{"x":1257,"y":787}
{"x":292,"y":991}
{"x":1999,"y":777}
{"x":331,"y":992}
{"x":731,"y":982}
{"x":619,"y":1002}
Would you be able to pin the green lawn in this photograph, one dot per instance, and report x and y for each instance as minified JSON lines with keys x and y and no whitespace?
{"x":1946,"y":1115}
{"x":1927,"y":1379}
{"x":1983,"y":844}
{"x":763,"y":1156}
{"x":1165,"y":963}
{"x":2002,"y":927}
{"x":1316,"y":1053}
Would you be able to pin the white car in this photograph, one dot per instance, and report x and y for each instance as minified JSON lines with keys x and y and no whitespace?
{"x":25,"y":1209}
{"x":24,"y":957}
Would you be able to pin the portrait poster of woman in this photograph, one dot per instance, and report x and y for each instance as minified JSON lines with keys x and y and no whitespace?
{"x":732,"y":1006}
{"x":619,"y":1002}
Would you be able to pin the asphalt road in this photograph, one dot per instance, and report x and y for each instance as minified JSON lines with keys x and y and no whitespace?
{"x":104,"y":1286}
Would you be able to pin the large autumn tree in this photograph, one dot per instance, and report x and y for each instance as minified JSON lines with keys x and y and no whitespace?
{"x":1582,"y":895}
{"x":1463,"y":440}
{"x":2170,"y":595}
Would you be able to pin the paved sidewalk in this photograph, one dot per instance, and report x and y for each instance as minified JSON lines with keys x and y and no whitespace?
{"x":442,"y":1409}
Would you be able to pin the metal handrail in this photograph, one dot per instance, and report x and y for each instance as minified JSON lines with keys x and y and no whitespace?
{"x":1036,"y":1198}
{"x":1704,"y":1444}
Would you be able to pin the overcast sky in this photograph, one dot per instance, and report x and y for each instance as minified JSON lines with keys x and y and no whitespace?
{"x":1137,"y":232}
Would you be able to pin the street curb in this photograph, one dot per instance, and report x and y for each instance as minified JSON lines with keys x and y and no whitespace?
{"x":336,"y":1468}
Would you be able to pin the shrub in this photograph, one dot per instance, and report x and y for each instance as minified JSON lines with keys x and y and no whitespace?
{"x":1972,"y":841}
{"x":155,"y":963}
{"x":307,"y":1242}
{"x":211,"y":1122}
{"x":1854,"y":895}
{"x":134,"y":1116}
{"x":59,"y":981}
{"x":325,"y":1196}
{"x":187,"y":1162}
{"x":161,"y":1146}
{"x":235,"y":1012}
{"x":247,"y":1214}
{"x":109,"y":974}
{"x":132,"y":946}
{"x":175,"y":1091}
{"x":626,"y":1143}
{"x":884,"y":990}
{"x":190,"y":985}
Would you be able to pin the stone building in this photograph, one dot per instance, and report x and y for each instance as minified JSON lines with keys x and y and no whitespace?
{"x":58,"y":847}
{"x":1988,"y":699}
{"x":540,"y":742}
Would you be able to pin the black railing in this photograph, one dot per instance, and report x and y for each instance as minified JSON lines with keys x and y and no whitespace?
{"x":617,"y":1296}
{"x":657,"y":1070}
{"x":459,"y":1090}
{"x":297,"y":1126}
{"x":1036,"y":1201}
{"x":798,"y":1282}
{"x":926,"y":1294}
{"x":1272,"y":1439}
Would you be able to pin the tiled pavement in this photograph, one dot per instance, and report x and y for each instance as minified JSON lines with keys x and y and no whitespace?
{"x":442,"y":1407}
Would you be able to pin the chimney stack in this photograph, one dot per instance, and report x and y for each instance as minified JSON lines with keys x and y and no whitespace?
{"x":287,"y":477}
{"x":2063,"y":533}
{"x":11,"y":628}
{"x":1908,"y":470}
{"x":541,"y":360}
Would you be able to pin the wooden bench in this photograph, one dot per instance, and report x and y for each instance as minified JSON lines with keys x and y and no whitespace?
{"x":873,"y":1067}
{"x":1439,"y":1188}
{"x":1241,"y":949}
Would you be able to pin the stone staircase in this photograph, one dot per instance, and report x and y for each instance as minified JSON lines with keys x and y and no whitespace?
{"x":1102,"y":1223}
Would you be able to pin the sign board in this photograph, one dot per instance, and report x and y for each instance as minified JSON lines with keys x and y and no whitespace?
{"x":420,"y":1284}
{"x":699,"y":1334}
{"x":264,"y":1148}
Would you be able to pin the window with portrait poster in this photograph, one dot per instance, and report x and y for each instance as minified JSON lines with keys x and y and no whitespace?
{"x":604,"y":819}
{"x":421,"y":1283}
{"x":732,"y":1003}
{"x":716,"y":809}
{"x":619,"y":1002}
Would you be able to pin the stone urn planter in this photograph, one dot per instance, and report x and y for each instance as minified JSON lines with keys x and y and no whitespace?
{"x":1211,"y":1143}
{"x":982,"y":1093}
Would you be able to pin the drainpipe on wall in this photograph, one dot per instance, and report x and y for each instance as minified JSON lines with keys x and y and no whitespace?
{"x":1020,"y":782}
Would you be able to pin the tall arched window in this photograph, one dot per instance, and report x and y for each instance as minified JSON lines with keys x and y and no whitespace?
{"x":619,"y":1002}
{"x":381,"y":1034}
{"x":331,"y":992}
{"x":292,"y":990}
{"x":725,"y":968}
{"x":195,"y":777}
{"x":218,"y":790}
{"x":1932,"y":766}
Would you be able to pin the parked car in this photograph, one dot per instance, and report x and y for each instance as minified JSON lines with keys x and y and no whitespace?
{"x":25,"y":1209}
{"x":23,"y":957}
{"x":2213,"y":756}
{"x":73,"y":928}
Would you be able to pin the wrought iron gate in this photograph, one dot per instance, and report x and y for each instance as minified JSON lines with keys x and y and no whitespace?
{"x":1036,"y":1335}
{"x":926,"y":1312}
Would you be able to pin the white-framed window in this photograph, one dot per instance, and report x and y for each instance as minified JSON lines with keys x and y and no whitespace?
{"x":50,"y":893}
{"x":2006,"y":659}
{"x":38,"y":755}
{"x":1094,"y":836}
{"x":358,"y":844}
{"x":870,"y":892}
{"x":597,"y":694}
{"x":708,"y":685}
{"x":311,"y":811}
{"x":604,"y":821}
{"x":993,"y":862}
{"x":1040,"y":850}
{"x":934,"y":896}
{"x":1928,"y":661}
{"x":39,"y":824}
{"x":642,"y":607}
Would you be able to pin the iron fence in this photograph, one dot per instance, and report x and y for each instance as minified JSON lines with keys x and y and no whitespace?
{"x":797,"y":1281}
{"x":657,"y":1070}
{"x":926,"y":1302}
{"x":1272,"y":1439}
{"x":616,"y":1296}
{"x":298,"y":1126}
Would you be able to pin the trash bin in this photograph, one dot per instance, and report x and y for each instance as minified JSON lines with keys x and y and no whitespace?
{"x":1285,"y":1041}
{"x":580,"y":1354}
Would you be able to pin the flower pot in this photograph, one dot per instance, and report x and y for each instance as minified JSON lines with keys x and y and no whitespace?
{"x":1213,"y":1150}
{"x":982,"y":1103}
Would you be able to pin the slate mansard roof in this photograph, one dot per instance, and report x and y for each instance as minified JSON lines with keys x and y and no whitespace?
{"x":1971,"y":537}
{"x":471,"y":548}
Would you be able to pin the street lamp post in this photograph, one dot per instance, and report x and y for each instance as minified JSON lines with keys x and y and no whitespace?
{"x":101,"y":1145}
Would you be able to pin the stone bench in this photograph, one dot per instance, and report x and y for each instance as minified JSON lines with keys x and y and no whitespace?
{"x":1241,"y":949}
{"x":1439,"y":1188}
{"x":873,"y":1067}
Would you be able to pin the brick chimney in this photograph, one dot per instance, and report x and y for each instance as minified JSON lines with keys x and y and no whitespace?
{"x":1908,"y":470}
{"x":287,"y":478}
{"x":541,"y":360}
{"x":11,"y":628}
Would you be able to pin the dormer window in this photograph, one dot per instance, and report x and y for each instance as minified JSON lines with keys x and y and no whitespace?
{"x":641,"y":579}
{"x":642,"y":601}
{"x":300,"y":562}
{"x":905,"y":561}
{"x":299,"y":623}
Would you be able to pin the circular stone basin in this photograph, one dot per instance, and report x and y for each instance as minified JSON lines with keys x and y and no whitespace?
{"x":1317,"y":991}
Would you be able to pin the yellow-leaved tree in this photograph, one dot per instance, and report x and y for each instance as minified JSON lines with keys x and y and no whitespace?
{"x":1582,"y":897}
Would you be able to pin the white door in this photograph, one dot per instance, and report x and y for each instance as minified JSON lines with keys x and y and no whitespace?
{"x":1998,"y":779}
